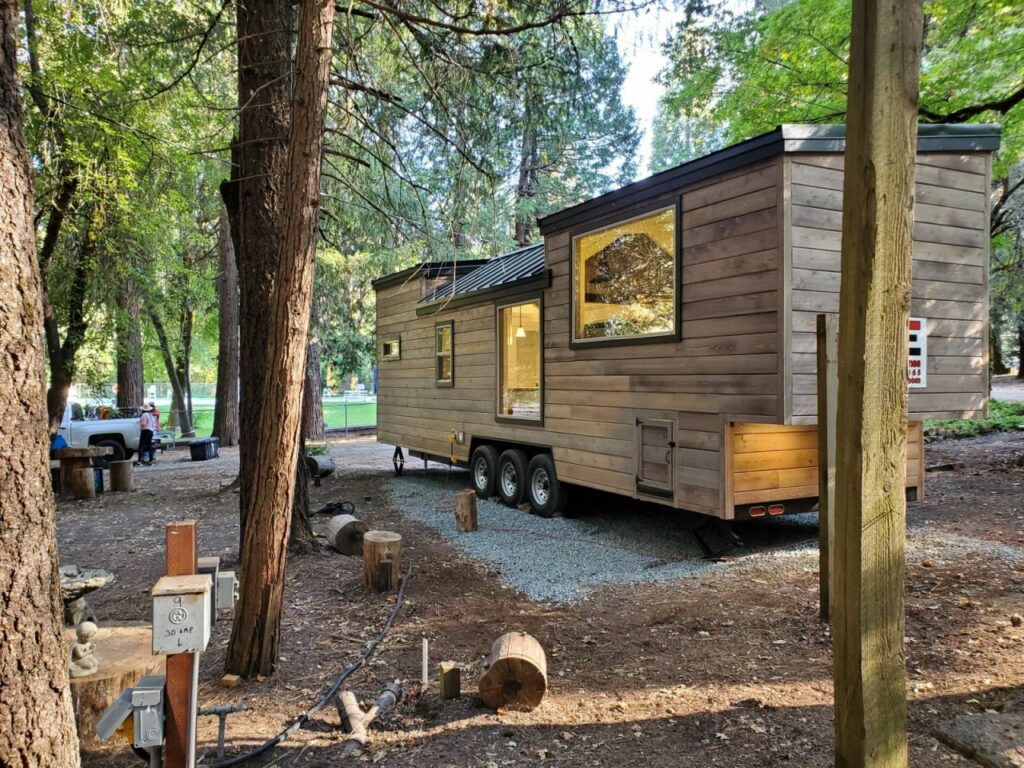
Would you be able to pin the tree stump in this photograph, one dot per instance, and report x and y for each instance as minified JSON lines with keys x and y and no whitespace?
{"x":517,"y":673}
{"x":382,"y":560}
{"x":449,"y":680}
{"x":122,"y":476}
{"x":82,"y":483}
{"x":345,"y":534}
{"x":124,"y":654}
{"x":465,"y":511}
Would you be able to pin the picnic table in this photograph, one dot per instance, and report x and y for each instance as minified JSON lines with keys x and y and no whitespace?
{"x":77,"y":458}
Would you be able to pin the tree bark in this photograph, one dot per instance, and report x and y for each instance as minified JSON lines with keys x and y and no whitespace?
{"x":179,"y":415}
{"x":37,"y":725}
{"x":313,"y":387}
{"x":870,"y":515}
{"x":995,"y":348}
{"x":255,"y":632}
{"x":1020,"y":346}
{"x":526,"y":189}
{"x":225,"y":413}
{"x":131,"y":386}
{"x":264,"y":66}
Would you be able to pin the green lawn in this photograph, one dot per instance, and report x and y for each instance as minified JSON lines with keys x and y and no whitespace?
{"x":1002,"y":417}
{"x":359,"y":415}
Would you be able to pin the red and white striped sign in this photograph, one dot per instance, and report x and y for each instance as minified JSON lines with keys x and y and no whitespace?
{"x":917,"y":353}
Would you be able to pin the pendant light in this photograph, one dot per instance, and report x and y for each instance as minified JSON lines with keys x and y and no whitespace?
{"x":520,"y":331}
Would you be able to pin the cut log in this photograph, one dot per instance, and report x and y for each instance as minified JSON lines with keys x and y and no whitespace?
{"x":345,"y":534}
{"x":382,"y":560}
{"x":465,"y":511}
{"x":449,"y":680}
{"x":319,"y":467}
{"x":122,"y":476}
{"x":124,"y":654}
{"x":516,"y":674}
{"x":82,"y":483}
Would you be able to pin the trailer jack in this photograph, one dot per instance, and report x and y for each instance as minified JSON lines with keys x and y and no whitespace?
{"x":716,"y":537}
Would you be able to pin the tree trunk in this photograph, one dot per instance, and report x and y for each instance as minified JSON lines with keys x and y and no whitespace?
{"x":870,"y":514}
{"x":526,"y":189}
{"x":225,"y":413}
{"x":178,"y":417}
{"x":35,"y":701}
{"x":256,"y":628}
{"x":264,"y":74}
{"x":131,"y":385}
{"x":313,"y":387}
{"x":995,"y":348}
{"x":1020,"y":346}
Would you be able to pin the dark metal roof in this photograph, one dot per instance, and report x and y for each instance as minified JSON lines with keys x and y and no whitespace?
{"x":429,"y":269}
{"x":512,"y":267}
{"x":785,"y":138}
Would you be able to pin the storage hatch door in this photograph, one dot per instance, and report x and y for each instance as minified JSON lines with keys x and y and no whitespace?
{"x":655,"y":457}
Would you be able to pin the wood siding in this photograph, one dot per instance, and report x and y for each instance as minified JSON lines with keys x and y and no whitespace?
{"x":950,"y":278}
{"x":774,"y":462}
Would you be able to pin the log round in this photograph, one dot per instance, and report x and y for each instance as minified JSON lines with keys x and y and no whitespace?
{"x":465,"y":511}
{"x":382,"y":560}
{"x":122,"y":476}
{"x":124,"y":655}
{"x":345,"y":534}
{"x":82,"y":483}
{"x":517,"y":673}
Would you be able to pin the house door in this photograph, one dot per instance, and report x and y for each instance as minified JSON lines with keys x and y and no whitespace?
{"x":655,"y":457}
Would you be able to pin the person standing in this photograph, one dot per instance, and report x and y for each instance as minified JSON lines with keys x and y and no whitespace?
{"x":156,"y":428}
{"x":146,"y":424}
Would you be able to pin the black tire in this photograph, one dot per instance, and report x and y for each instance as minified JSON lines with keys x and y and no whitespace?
{"x":483,"y":468}
{"x":119,"y":453}
{"x":511,"y":477}
{"x":543,"y":490}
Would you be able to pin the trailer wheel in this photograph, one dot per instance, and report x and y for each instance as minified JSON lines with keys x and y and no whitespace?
{"x":546,"y":495}
{"x":483,"y":466}
{"x":512,"y":477}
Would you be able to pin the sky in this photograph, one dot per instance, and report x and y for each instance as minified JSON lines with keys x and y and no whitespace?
{"x":640,"y":37}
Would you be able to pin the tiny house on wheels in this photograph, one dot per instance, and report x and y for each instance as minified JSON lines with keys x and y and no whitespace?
{"x":660,"y":343}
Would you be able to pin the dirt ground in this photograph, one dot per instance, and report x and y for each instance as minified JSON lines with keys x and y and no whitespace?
{"x":730,"y":669}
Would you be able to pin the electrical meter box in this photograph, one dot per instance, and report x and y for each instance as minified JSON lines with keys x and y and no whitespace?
{"x":181,"y":614}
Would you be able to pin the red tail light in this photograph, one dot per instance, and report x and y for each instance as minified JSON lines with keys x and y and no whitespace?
{"x":776,"y":509}
{"x":757,"y":511}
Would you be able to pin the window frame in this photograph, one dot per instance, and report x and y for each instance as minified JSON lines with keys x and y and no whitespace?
{"x":397,"y":341}
{"x":504,"y":418}
{"x":438,"y":355}
{"x":608,"y":222}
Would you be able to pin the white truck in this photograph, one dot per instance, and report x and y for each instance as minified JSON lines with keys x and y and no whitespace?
{"x":121,"y":435}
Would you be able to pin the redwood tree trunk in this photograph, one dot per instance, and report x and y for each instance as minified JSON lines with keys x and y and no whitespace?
{"x":313,"y":388}
{"x":130,"y":383}
{"x":225,"y":413}
{"x":179,"y":416}
{"x":37,"y":725}
{"x":264,"y":96}
{"x":256,"y":628}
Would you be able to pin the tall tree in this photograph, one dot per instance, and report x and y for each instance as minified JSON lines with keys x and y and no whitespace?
{"x":255,"y":631}
{"x":874,"y":302}
{"x":128,"y":320}
{"x":225,"y":413}
{"x":37,"y":725}
{"x":313,"y":386}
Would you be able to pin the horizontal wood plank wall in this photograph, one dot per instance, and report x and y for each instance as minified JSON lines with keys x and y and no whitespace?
{"x":772,"y":462}
{"x":950,"y":277}
{"x":726,"y":361}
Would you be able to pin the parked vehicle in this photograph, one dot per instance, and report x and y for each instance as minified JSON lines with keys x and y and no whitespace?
{"x":121,"y":435}
{"x":661,"y":342}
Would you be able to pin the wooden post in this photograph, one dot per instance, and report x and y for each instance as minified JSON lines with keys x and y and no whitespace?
{"x":382,"y":560}
{"x":517,"y":673}
{"x":82,"y":483}
{"x":870,"y":503}
{"x":122,"y":477}
{"x":828,"y":385}
{"x":182,"y":560}
{"x":449,"y":680}
{"x":465,"y":511}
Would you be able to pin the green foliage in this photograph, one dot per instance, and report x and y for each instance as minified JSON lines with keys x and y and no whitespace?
{"x":1002,"y":417}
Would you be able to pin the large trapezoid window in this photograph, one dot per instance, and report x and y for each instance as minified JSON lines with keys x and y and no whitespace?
{"x":519,"y":361}
{"x":625,"y":279}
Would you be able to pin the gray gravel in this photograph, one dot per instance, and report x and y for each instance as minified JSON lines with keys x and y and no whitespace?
{"x":562,"y":560}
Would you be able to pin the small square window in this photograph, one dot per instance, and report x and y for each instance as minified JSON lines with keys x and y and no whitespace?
{"x":391,"y":349}
{"x":444,"y":350}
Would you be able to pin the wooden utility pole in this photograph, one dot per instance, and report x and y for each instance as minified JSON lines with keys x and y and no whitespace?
{"x":181,"y":560}
{"x":828,"y":386}
{"x":878,"y":218}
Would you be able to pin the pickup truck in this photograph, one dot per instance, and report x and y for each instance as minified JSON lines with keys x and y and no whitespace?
{"x":121,"y":435}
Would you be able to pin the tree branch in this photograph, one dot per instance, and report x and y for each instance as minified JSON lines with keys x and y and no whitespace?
{"x":1002,"y":106}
